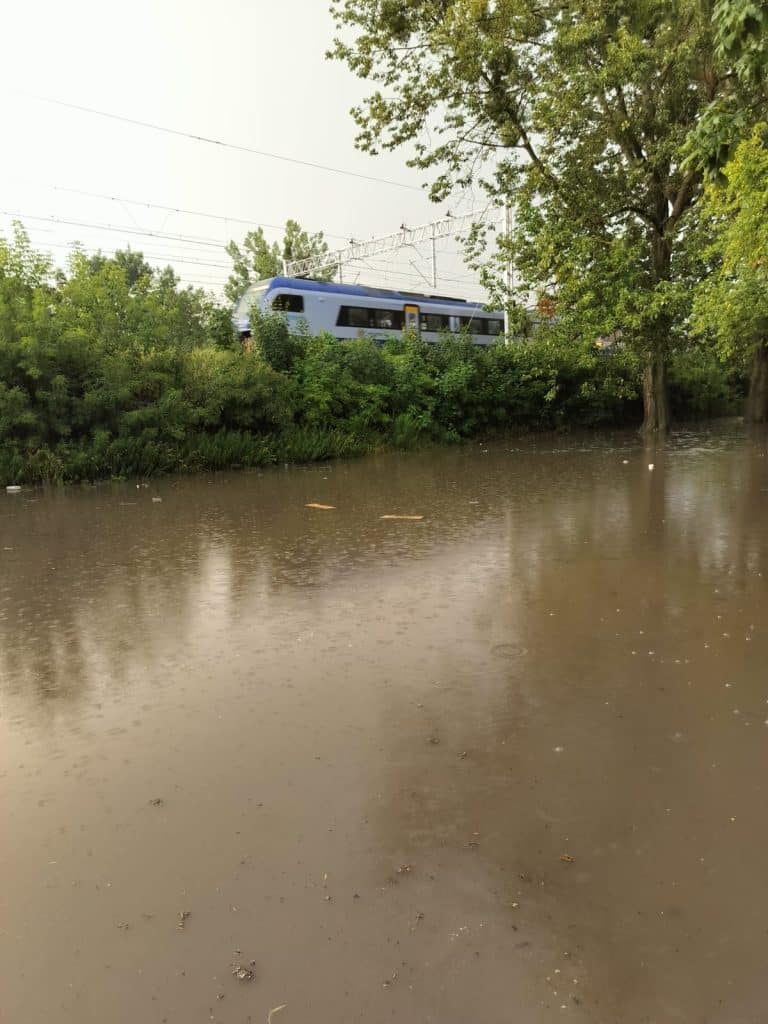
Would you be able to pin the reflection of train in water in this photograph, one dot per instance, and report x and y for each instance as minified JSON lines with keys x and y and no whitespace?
{"x":355,"y":311}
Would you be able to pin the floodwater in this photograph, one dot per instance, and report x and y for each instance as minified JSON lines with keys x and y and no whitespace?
{"x":507,"y":763}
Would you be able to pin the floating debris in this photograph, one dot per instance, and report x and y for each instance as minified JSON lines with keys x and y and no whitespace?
{"x":316,"y":504}
{"x":434,"y":740}
{"x":242,"y":973}
{"x":156,"y":801}
{"x":405,"y":869}
{"x":508,"y":651}
{"x":13,"y":488}
{"x":566,"y":858}
{"x":275,"y":1009}
{"x":413,"y":519}
{"x":183,"y":918}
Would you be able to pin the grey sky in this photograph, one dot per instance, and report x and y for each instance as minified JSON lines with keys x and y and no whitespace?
{"x":245,"y":71}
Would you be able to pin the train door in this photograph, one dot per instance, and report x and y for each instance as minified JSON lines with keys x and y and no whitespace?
{"x":412,"y":317}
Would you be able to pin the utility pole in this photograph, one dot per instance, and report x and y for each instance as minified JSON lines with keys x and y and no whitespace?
{"x":510,"y":273}
{"x":434,"y":259}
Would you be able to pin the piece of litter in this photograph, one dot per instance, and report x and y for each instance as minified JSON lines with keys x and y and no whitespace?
{"x":157,"y":500}
{"x":414,"y":519}
{"x":566,"y":858}
{"x":274,"y":1010}
{"x":13,"y":488}
{"x":316,"y":504}
{"x":242,"y":973}
{"x":650,"y":465}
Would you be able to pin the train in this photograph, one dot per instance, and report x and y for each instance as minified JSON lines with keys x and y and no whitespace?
{"x":349,"y":311}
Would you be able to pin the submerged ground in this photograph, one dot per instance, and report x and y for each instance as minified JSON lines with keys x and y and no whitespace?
{"x":503,"y":763}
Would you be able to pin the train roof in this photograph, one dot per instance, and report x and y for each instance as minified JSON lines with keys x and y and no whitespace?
{"x":364,"y":291}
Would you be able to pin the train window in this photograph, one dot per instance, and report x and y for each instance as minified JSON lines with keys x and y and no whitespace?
{"x":434,"y":322}
{"x":286,"y":303}
{"x":389,"y":319}
{"x":495,"y":327}
{"x":354,"y":316}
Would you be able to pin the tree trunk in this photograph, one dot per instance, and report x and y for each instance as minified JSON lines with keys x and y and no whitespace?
{"x":757,"y":402}
{"x":655,"y":396}
{"x":655,"y":393}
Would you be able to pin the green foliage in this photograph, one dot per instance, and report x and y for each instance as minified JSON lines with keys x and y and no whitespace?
{"x":741,"y":74}
{"x":703,"y":386}
{"x":258,"y":259}
{"x":732,"y":302}
{"x":742,"y":36}
{"x":114,"y":370}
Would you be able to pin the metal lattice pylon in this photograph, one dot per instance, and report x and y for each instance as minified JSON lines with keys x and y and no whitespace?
{"x":388,"y":243}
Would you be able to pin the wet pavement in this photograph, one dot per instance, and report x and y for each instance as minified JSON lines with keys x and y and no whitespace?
{"x":506,"y":763}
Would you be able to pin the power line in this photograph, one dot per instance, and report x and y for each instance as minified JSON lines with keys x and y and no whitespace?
{"x":183,"y":239}
{"x":206,"y":282}
{"x":167,"y":209}
{"x":412,"y":275}
{"x":217,"y":142}
{"x":170,"y":257}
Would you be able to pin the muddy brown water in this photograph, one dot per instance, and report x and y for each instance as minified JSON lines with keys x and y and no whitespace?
{"x":504,"y":764}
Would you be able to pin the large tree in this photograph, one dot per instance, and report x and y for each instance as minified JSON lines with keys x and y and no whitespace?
{"x":258,"y":259}
{"x":730,"y":143}
{"x":732,"y":302}
{"x":579,"y":116}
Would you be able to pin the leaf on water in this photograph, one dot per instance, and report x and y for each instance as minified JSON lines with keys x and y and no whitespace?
{"x":316,"y":504}
{"x":276,"y":1009}
{"x":414,"y":519}
{"x":566,"y":858}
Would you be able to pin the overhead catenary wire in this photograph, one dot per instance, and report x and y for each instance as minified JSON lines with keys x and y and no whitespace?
{"x":182,"y":239}
{"x":217,"y":142}
{"x":170,"y":209}
{"x":106,"y":250}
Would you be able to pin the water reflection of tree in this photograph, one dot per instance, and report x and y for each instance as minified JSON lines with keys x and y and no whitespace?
{"x":599,"y":742}
{"x":97,"y":578}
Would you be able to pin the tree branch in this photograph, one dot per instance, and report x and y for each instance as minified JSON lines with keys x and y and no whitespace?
{"x":682,"y":198}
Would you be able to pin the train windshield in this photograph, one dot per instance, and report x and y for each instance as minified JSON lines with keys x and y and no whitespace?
{"x":250,"y":297}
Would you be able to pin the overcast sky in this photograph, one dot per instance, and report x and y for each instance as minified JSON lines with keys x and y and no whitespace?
{"x":242,"y":71}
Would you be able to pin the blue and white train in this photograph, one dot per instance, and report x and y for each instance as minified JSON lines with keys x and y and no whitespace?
{"x":356,"y":311}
